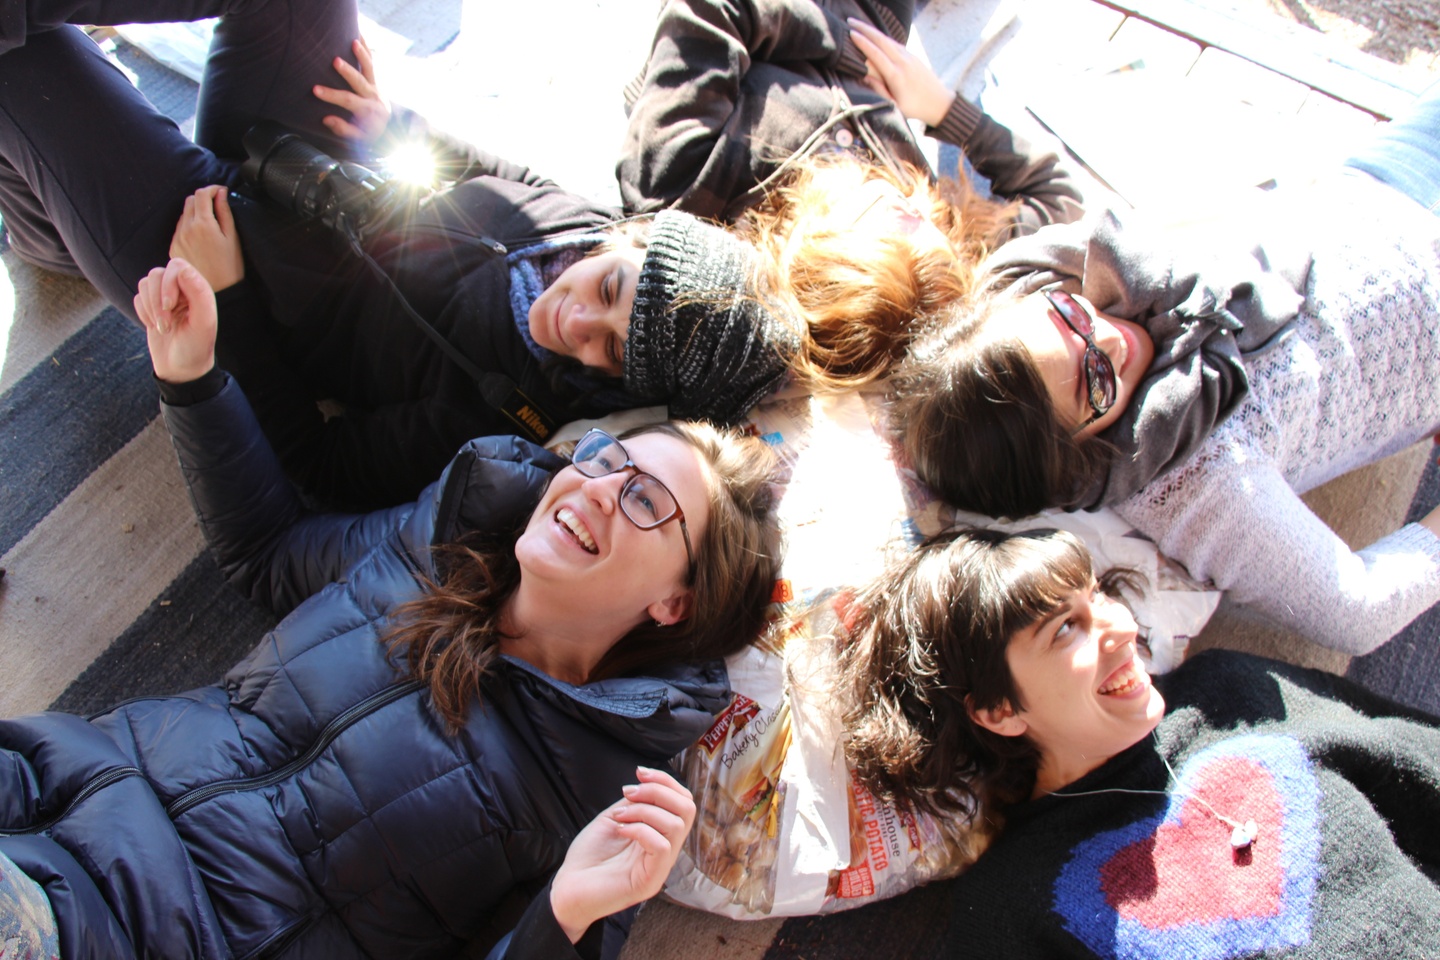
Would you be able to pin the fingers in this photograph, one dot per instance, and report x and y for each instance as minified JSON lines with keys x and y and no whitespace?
{"x":147,"y":301}
{"x":223,"y":215}
{"x":201,"y":205}
{"x":170,"y":290}
{"x":369,"y":113}
{"x":655,"y":829}
{"x":188,"y":281}
{"x":340,"y":98}
{"x":877,"y":57}
{"x":365,"y":59}
{"x":652,"y":838}
{"x":343,"y":128}
{"x":672,"y":804}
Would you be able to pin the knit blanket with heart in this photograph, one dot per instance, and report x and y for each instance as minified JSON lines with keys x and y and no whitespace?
{"x":1172,"y":886}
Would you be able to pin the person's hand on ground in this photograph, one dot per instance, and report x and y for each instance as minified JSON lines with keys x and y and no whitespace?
{"x":897,"y":74}
{"x":369,"y":112}
{"x":624,"y":855}
{"x":177,"y":308}
{"x":207,"y":239}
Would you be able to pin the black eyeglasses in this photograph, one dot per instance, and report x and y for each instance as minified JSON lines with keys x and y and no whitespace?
{"x":645,"y":501}
{"x":1099,"y":371}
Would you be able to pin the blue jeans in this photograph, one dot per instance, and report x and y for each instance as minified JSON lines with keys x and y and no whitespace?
{"x":1406,"y":152}
{"x":92,"y":176}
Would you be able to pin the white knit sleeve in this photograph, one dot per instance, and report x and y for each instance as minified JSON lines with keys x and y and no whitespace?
{"x":1240,"y":525}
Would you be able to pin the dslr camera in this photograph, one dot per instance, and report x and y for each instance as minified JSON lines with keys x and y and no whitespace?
{"x":346,"y":197}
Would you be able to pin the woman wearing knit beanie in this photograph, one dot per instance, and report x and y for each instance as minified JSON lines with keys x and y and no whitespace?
{"x":790,"y":118}
{"x":526,"y":295}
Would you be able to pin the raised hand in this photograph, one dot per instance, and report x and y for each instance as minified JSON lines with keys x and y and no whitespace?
{"x":207,"y":239}
{"x":177,"y":308}
{"x":897,"y":74}
{"x":624,"y":855}
{"x":369,"y":112}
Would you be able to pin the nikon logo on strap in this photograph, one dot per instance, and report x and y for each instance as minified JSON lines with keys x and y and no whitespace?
{"x":529,"y":417}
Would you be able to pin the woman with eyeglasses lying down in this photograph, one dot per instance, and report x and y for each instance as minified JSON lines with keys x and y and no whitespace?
{"x":1237,"y":807}
{"x":1199,"y":378}
{"x":467,"y":697}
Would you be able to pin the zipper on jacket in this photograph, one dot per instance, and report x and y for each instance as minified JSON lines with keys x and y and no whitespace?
{"x":92,"y":786}
{"x":192,"y":798}
{"x":489,"y":243}
{"x":283,"y":940}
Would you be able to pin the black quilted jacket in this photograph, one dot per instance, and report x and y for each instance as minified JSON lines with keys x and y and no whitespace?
{"x":311,"y":805}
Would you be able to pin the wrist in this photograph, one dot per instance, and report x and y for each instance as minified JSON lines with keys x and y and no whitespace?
{"x":177,"y":376}
{"x":938,"y":109}
{"x":192,"y":391}
{"x":573,"y":921}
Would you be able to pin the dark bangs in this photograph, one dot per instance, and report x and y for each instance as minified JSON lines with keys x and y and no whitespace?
{"x":1037,"y":573}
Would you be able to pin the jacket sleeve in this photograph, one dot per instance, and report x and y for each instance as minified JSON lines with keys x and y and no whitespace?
{"x":538,"y":936}
{"x":692,"y":84}
{"x":455,"y":160}
{"x":355,"y":458}
{"x":1237,"y":523}
{"x":1038,"y":177}
{"x":266,"y":543}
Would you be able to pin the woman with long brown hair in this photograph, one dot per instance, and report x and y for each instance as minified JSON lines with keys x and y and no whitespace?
{"x":466,"y":700}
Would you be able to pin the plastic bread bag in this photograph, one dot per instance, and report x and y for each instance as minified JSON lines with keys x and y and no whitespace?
{"x":783,"y":828}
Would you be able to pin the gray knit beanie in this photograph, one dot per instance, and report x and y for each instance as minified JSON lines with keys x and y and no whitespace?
{"x":717,"y":351}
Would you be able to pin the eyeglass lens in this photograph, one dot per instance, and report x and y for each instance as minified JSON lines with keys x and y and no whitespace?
{"x":1099,"y":371}
{"x":644,"y":499}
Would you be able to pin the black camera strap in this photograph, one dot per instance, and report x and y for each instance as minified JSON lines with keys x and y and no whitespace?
{"x":499,"y":391}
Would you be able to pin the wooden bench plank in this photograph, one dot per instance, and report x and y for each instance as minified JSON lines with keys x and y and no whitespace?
{"x":1374,"y":85}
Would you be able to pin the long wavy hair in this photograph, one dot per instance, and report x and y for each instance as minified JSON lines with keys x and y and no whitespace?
{"x":450,"y":636}
{"x":975,"y":422}
{"x":859,"y":291}
{"x":926,"y":648}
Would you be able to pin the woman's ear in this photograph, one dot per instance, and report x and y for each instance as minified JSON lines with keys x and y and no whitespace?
{"x":672,"y":609}
{"x":1002,"y":719}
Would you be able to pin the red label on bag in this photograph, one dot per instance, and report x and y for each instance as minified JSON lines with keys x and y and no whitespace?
{"x":855,"y":882}
{"x":740,"y":712}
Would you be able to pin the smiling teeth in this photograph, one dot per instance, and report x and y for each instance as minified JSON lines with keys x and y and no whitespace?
{"x":572,"y":523}
{"x":1125,"y":681}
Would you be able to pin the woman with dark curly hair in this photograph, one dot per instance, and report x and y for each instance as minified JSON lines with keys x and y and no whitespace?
{"x":1237,"y":807}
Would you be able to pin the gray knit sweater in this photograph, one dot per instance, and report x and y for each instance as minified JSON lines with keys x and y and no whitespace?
{"x":1352,"y":380}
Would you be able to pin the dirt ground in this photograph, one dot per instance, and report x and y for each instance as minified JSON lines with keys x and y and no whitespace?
{"x":1404,"y":32}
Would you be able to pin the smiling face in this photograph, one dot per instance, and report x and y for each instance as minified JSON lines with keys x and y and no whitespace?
{"x":585,"y":313}
{"x":583,"y":560}
{"x":1059,"y":354}
{"x":1085,"y":695}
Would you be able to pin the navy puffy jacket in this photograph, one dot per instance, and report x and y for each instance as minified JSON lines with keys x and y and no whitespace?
{"x":311,"y":805}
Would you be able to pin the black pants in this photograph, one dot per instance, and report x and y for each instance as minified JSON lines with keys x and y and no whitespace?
{"x":92,"y":176}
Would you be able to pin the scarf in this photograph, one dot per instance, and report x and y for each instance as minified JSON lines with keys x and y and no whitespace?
{"x":1204,"y":311}
{"x":532,"y":270}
